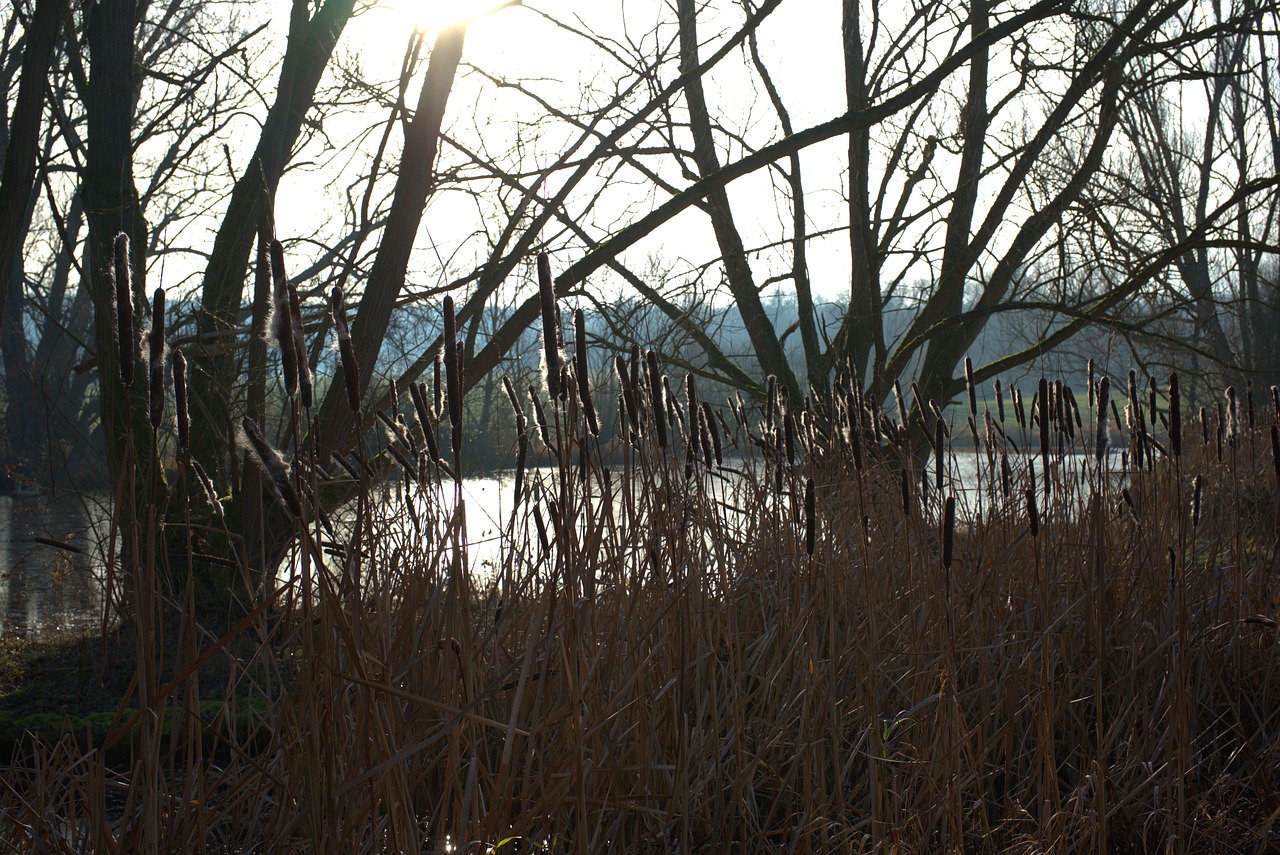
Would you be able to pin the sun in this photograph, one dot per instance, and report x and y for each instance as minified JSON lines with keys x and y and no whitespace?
{"x":434,"y":15}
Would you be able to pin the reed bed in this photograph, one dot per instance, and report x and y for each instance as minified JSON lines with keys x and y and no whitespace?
{"x":768,"y":628}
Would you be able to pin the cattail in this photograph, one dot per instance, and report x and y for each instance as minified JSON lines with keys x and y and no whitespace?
{"x":675,"y":419}
{"x":124,"y":307}
{"x":1033,"y":516}
{"x":1204,"y":427}
{"x":1220,"y":430}
{"x":655,"y":396}
{"x":540,"y":417}
{"x":902,"y":406}
{"x":521,"y":422}
{"x":437,"y":388}
{"x":948,"y":529}
{"x":1091,"y":389}
{"x":1275,"y":450}
{"x":704,"y":436}
{"x":939,"y":453}
{"x":1275,"y":403}
{"x":1154,"y":410}
{"x":968,"y":383}
{"x":273,"y":465}
{"x":580,"y":366}
{"x":1233,"y":416}
{"x":1019,"y":413}
{"x":180,"y":399}
{"x":1197,"y":489}
{"x":855,"y":435}
{"x":1044,"y":424}
{"x":300,"y":347}
{"x":453,"y":373}
{"x":999,"y":400}
{"x":810,"y":515}
{"x":346,"y":349}
{"x":1248,"y":402}
{"x":1103,"y":438}
{"x":906,"y":493}
{"x":282,"y":320}
{"x":788,"y":427}
{"x":550,"y":325}
{"x":155,"y":358}
{"x":1132,"y":508}
{"x":522,"y":452}
{"x":771,"y":389}
{"x":1006,"y":474}
{"x":419,"y":396}
{"x":626,"y":395}
{"x":636,"y":389}
{"x":1175,"y":416}
{"x":715,"y":434}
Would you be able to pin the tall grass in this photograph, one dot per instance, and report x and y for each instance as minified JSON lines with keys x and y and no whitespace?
{"x":776,"y":644}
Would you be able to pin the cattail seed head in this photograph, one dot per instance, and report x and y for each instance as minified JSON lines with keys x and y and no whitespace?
{"x":1033,"y":516}
{"x":1044,"y":421}
{"x":346,"y":349}
{"x":425,"y":422}
{"x":626,"y":396}
{"x":1275,"y":450}
{"x":453,"y":373}
{"x":939,"y":453}
{"x":1197,"y":493}
{"x":540,"y":417}
{"x":155,"y":358}
{"x":273,"y":465}
{"x":582,"y":373}
{"x":123,"y":283}
{"x":521,"y":423}
{"x":968,"y":383}
{"x":999,"y":400}
{"x":1233,"y":416}
{"x":948,"y":530}
{"x":1006,"y":474}
{"x":1091,"y":387}
{"x":300,"y":347}
{"x":180,"y":400}
{"x":550,"y":325}
{"x":282,"y":320}
{"x":1103,"y":438}
{"x":906,"y":493}
{"x":709,"y":417}
{"x":655,"y":397}
{"x":810,"y":517}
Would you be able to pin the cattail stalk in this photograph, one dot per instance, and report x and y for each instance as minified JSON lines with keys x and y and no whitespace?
{"x":1175,"y":416}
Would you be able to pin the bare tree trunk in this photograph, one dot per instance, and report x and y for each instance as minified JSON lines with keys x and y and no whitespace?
{"x":24,"y":132}
{"x":214,"y":376}
{"x":414,"y":183}
{"x":764,"y":340}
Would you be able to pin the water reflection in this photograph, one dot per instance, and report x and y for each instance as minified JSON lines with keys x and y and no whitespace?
{"x":46,"y":588}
